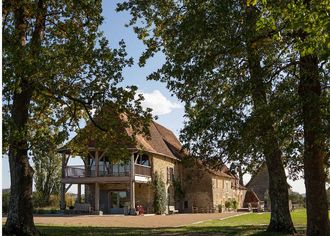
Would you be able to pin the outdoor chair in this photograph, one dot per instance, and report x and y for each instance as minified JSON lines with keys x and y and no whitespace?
{"x":172,"y":210}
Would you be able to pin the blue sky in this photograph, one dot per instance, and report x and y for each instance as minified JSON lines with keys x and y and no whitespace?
{"x":168,"y":109}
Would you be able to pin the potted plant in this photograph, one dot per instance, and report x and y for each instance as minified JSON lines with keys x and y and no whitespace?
{"x":220,"y":208}
{"x":228,"y":205}
{"x":234,"y":204}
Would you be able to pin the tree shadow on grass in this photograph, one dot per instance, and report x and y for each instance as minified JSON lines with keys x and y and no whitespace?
{"x":193,"y":231}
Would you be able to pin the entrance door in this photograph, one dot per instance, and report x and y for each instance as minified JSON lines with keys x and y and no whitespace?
{"x":117,"y":201}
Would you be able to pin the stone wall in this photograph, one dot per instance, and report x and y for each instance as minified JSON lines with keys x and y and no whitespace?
{"x":144,"y":196}
{"x":197,"y":186}
{"x":206,"y":190}
{"x":160,"y":165}
{"x":222,"y":191}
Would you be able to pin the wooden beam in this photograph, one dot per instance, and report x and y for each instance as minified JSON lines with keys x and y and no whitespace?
{"x":62,"y":205}
{"x":79,"y":193}
{"x":89,"y":153}
{"x":67,"y":160}
{"x":132,"y":183}
{"x":102,"y":155}
{"x":85,"y":161}
{"x":67,"y":188}
{"x":97,"y":163}
{"x":95,"y":179}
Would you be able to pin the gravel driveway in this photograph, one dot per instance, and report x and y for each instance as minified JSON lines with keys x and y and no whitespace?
{"x":147,"y":221}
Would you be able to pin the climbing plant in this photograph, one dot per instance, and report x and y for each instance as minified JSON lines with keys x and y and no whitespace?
{"x":178,"y":191}
{"x":160,"y":194}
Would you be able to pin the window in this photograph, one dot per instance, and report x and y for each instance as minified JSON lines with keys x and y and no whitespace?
{"x":142,"y":160}
{"x":170,"y":174}
{"x":185,"y":204}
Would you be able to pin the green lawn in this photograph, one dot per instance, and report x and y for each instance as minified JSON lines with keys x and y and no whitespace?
{"x":249,"y":224}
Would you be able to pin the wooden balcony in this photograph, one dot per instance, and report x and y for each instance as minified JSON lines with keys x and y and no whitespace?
{"x":87,"y":174}
{"x":142,"y":170}
{"x":90,"y":171}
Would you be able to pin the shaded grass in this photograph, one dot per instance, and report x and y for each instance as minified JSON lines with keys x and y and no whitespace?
{"x":249,"y":224}
{"x":196,"y":231}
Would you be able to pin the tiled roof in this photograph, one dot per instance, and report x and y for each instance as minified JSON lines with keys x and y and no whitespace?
{"x":259,"y":182}
{"x":223,"y":171}
{"x":161,"y":141}
{"x":168,"y":136}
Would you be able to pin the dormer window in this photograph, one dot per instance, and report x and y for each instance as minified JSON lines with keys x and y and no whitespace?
{"x":142,"y":160}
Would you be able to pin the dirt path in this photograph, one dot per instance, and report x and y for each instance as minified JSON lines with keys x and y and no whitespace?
{"x":152,"y":221}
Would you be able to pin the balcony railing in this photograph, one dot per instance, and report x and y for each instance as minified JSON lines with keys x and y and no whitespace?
{"x":78,"y":171}
{"x":90,"y":171}
{"x":142,"y":170}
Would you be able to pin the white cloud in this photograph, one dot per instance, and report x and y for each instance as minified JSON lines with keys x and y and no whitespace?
{"x":159,"y":104}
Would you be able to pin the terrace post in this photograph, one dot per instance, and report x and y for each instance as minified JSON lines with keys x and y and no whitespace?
{"x":63,"y":206}
{"x":79,"y":193}
{"x":97,"y":197}
{"x":97,"y":163}
{"x":132,"y":183}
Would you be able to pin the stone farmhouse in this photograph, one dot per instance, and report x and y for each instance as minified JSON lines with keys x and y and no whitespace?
{"x":207,"y":189}
{"x":258,"y":187}
{"x":257,"y":190}
{"x":117,"y":188}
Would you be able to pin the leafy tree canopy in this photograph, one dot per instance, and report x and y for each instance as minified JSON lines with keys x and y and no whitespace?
{"x":206,"y":66}
{"x":69,"y":67}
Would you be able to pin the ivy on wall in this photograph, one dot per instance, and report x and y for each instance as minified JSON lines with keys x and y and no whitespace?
{"x":160,"y":194}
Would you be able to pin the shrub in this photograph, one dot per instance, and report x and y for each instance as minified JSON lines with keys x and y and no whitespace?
{"x":160,"y":195}
{"x":38,"y":200}
{"x":53,"y":211}
{"x":69,"y":200}
{"x":54,"y":201}
{"x":228,"y":204}
{"x":234,"y":204}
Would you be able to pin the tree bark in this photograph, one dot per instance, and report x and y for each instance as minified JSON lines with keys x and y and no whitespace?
{"x":20,"y":215}
{"x":314,"y":168}
{"x":280,"y":220}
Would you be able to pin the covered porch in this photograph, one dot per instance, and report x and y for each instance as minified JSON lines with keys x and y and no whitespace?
{"x":110,"y":188}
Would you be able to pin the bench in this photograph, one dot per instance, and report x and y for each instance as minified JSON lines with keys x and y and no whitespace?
{"x":82,"y":208}
{"x":172,"y":210}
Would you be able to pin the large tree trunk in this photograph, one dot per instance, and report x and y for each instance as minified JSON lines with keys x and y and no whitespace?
{"x":20,"y":215}
{"x":314,"y":168}
{"x":280,"y":220}
{"x":20,"y":218}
